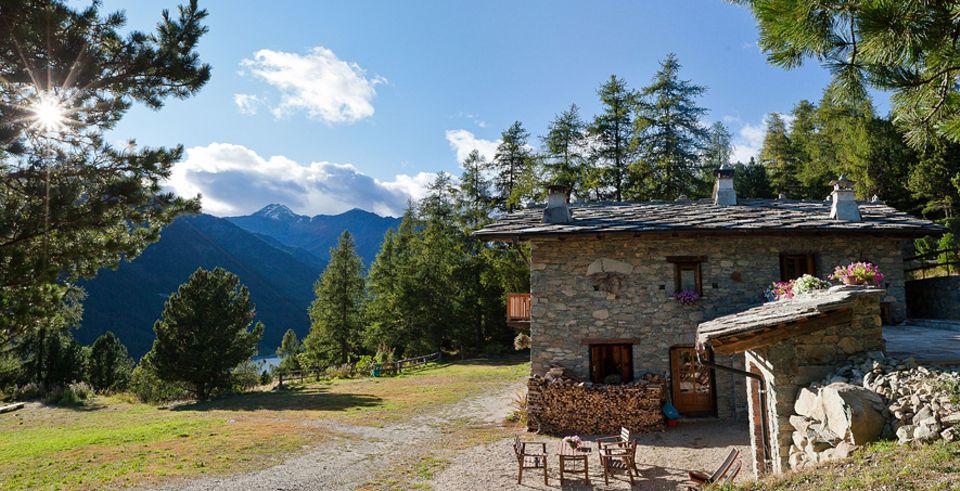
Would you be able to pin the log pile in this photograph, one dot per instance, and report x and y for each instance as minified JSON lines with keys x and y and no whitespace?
{"x":562,"y":406}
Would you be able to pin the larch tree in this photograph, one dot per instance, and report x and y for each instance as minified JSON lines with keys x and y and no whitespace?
{"x":564,"y":156}
{"x":716,"y":152}
{"x":474,"y":200}
{"x":513,"y":169}
{"x":668,"y":136}
{"x":335,"y":314}
{"x":205,"y":331}
{"x":289,"y":351}
{"x":71,"y":202}
{"x":611,"y":132}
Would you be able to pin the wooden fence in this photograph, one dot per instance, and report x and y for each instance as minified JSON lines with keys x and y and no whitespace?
{"x":396,"y":367}
{"x":942,"y":262}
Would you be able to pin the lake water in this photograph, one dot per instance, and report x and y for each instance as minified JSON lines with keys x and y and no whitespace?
{"x":268,"y":362}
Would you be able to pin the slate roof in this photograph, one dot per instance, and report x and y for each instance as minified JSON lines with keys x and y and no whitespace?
{"x":765,"y":320}
{"x":757,"y":216}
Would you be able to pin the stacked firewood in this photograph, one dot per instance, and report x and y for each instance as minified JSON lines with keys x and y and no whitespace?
{"x":561,"y":406}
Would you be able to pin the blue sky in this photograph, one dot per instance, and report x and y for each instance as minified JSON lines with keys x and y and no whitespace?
{"x":327,"y":106}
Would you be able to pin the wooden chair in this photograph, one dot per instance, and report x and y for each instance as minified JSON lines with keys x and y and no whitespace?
{"x":732,"y":473}
{"x":622,"y":459}
{"x":613,"y":441}
{"x":530,"y":459}
{"x":701,"y":479}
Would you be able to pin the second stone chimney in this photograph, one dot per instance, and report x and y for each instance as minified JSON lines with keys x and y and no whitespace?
{"x":723,"y":191}
{"x":844,"y":205}
{"x":558,"y":205}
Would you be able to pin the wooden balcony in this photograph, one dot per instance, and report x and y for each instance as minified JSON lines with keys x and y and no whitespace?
{"x":518,"y":308}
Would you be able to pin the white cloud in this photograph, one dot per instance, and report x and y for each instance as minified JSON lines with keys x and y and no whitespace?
{"x":464,"y":142}
{"x":748,"y":139}
{"x":324,"y":86}
{"x":247,"y":103}
{"x":235,"y":180}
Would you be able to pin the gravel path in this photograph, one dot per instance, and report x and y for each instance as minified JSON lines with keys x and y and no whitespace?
{"x":348,"y":461}
{"x":663,"y":458}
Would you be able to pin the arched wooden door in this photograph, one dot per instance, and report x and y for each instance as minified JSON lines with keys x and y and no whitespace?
{"x":692,"y":384}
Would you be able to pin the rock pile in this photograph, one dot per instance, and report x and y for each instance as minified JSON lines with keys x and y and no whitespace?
{"x":560,"y":405}
{"x":874,"y":396}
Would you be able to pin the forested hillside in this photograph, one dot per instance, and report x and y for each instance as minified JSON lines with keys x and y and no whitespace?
{"x":318,"y":234}
{"x":129,"y":300}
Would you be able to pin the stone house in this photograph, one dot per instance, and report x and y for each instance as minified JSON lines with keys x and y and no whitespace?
{"x":604,"y":276}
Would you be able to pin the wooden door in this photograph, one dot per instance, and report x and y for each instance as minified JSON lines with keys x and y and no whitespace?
{"x":692,"y":384}
{"x":611,"y":359}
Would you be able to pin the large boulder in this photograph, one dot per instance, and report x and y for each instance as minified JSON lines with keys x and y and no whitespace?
{"x":852,"y":412}
{"x":807,"y":404}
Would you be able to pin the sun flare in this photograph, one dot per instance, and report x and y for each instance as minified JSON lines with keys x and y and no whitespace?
{"x":49,"y":113}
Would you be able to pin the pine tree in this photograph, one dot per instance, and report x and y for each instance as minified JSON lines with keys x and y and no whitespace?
{"x":289,"y":352}
{"x":906,"y":47}
{"x":336,"y":312}
{"x":204,"y":332}
{"x":750,"y":181}
{"x":668,"y":136}
{"x":778,"y":156}
{"x":564,"y":146}
{"x":611,"y":132}
{"x":105,"y":204}
{"x":513,"y":169}
{"x":109,"y":366}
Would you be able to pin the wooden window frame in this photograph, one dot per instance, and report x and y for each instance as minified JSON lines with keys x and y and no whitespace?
{"x":807,"y":257}
{"x":610,"y":345}
{"x":681,"y":263}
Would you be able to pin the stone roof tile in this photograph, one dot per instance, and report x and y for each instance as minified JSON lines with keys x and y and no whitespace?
{"x":704,"y":216}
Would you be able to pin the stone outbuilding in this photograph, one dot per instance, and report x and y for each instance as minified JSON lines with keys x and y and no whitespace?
{"x":788,"y":345}
{"x":606,"y":278}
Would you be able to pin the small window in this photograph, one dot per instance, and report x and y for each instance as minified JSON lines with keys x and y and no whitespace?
{"x":610,"y":363}
{"x":687,"y":276}
{"x":793,"y":266}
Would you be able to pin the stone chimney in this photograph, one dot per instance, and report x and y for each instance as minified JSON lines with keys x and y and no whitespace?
{"x":558,"y":207}
{"x":844,"y":202}
{"x":723,"y":192}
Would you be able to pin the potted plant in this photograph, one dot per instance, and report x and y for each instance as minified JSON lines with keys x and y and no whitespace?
{"x":573,"y":441}
{"x":686,"y":297}
{"x":808,"y":283}
{"x":779,"y":290}
{"x":859,"y":273}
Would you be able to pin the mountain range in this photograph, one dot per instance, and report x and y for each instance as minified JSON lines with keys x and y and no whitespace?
{"x":276,"y":253}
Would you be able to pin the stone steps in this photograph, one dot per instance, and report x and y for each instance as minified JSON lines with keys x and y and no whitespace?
{"x":951,"y":325}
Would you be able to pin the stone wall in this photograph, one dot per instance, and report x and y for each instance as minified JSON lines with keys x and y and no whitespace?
{"x":934,"y":298}
{"x":795,"y":363}
{"x":629,"y":294}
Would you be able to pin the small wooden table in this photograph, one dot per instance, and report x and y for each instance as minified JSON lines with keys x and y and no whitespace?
{"x":574,"y":460}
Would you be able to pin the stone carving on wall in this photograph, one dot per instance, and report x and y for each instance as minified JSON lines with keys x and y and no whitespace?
{"x":607,"y":275}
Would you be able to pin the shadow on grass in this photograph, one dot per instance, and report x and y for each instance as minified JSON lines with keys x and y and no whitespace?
{"x":293,"y":398}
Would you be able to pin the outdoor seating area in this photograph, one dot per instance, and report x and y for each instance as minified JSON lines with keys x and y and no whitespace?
{"x":616,"y":461}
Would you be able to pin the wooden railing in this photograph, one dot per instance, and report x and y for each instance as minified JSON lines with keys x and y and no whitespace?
{"x":943,"y":262}
{"x":518,"y":307}
{"x":394,"y":367}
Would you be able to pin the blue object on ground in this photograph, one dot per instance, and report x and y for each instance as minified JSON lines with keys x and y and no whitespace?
{"x":669,"y":411}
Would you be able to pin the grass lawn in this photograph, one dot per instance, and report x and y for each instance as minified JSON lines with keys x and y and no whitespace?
{"x":881,"y":466}
{"x":113,"y":442}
